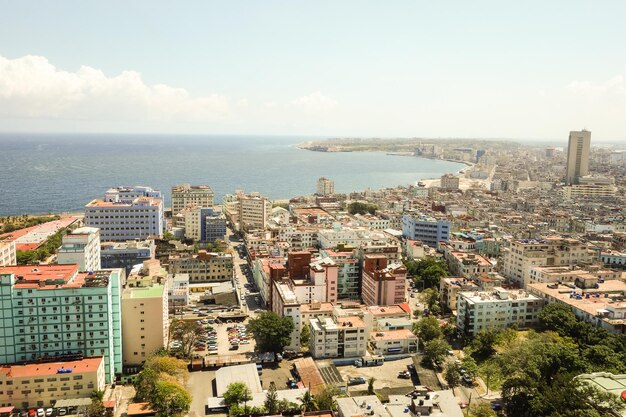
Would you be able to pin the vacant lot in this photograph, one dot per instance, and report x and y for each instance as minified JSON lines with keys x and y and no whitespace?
{"x":385,"y":375}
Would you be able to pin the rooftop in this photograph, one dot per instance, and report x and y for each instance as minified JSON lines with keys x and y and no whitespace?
{"x":239,"y":373}
{"x":51,"y":368}
{"x":399,"y":334}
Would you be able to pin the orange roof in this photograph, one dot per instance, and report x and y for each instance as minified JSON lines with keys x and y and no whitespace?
{"x":393,"y":335}
{"x":140,"y":409}
{"x":51,"y":368}
{"x":405,"y":307}
{"x":37,"y":273}
{"x":310,"y":375}
{"x":27,"y":246}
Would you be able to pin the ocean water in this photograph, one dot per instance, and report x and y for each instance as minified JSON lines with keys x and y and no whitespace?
{"x":61,"y":173}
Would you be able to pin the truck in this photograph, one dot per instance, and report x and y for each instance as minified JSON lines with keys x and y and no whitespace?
{"x":375,"y":360}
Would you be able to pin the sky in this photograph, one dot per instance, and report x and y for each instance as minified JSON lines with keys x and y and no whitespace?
{"x":467,"y":69}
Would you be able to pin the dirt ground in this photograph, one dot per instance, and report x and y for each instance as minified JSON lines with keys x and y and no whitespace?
{"x":385,"y":375}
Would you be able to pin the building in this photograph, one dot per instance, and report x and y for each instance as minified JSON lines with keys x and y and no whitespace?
{"x":246,"y":373}
{"x":383,"y":283}
{"x":393,"y":342}
{"x":82,"y":247}
{"x":564,"y":274}
{"x":577,"y":156}
{"x":480,"y":310}
{"x":185,"y":195}
{"x":204,"y":224}
{"x":592,"y":300}
{"x":449,"y":287}
{"x":427,"y":229}
{"x":7,"y":253}
{"x":522,"y":255}
{"x":55,"y":311}
{"x":42,"y":384}
{"x":203,"y":267}
{"x":613,"y":259}
{"x":348,"y":273}
{"x":214,"y":226}
{"x":126,"y":254}
{"x":449,"y":182}
{"x":127,"y":214}
{"x":593,"y":187}
{"x":346,"y":237}
{"x":325,"y":186}
{"x":467,"y":265}
{"x":609,"y":383}
{"x":333,"y":337}
{"x":254,"y":211}
{"x":145,"y":321}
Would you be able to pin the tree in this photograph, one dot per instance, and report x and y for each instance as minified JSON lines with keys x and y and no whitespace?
{"x":171,"y":399}
{"x":235,"y":394}
{"x":308,"y":402}
{"x":481,"y":410}
{"x":426,"y":272}
{"x":427,"y":329}
{"x":361,"y":208}
{"x":325,"y":399}
{"x":469,"y":364}
{"x":155,"y":369}
{"x":484,"y":343}
{"x":271,"y":399}
{"x":559,"y":318}
{"x":436,"y":350}
{"x":452,"y":374}
{"x":95,"y":409}
{"x":305,"y":336}
{"x":188,"y":332}
{"x":271,"y":331}
{"x":370,"y":385}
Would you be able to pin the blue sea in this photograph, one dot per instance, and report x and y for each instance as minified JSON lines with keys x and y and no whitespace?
{"x":56,"y":173}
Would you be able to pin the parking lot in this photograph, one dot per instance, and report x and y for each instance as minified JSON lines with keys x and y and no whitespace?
{"x":385,"y":375}
{"x":223,"y":345}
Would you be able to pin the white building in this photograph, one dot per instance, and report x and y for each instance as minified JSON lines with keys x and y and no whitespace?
{"x":127,"y":214}
{"x":331,"y":238}
{"x":338,"y":336}
{"x":325,"y":186}
{"x":185,"y":195}
{"x":81,"y":247}
{"x":480,"y":310}
{"x":591,"y":187}
{"x":7,"y":253}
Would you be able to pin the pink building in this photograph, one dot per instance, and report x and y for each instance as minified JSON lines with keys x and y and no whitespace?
{"x":382,"y":283}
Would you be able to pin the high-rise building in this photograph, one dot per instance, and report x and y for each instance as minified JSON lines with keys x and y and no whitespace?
{"x":325,"y":186}
{"x":383,"y":283}
{"x":247,"y":211}
{"x":577,"y":156}
{"x":81,"y":247}
{"x":184,"y":195}
{"x":127,"y":214}
{"x":56,"y":312}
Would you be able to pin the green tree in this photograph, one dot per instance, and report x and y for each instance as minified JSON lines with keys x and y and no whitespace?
{"x":325,"y":399}
{"x":484,"y":343}
{"x":427,"y":329}
{"x":361,"y":208}
{"x":436,"y":350}
{"x":471,"y":367}
{"x":271,"y":399}
{"x":481,"y":410}
{"x":188,"y":332}
{"x":144,"y":384}
{"x":426,"y":272}
{"x":305,"y":337}
{"x":236,"y":393}
{"x":559,"y":318}
{"x":370,"y":385}
{"x":452,"y":375}
{"x":308,"y":402}
{"x":155,"y":369}
{"x":95,"y":409}
{"x":429,"y":297}
{"x":271,"y":331}
{"x":170,"y":399}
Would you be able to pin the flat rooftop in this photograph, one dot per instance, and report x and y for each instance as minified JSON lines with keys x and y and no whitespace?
{"x":240,"y":373}
{"x":52,"y":368}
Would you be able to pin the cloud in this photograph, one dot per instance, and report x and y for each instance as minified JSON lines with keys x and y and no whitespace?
{"x":314,"y":103}
{"x":32,"y":87}
{"x":612,"y":87}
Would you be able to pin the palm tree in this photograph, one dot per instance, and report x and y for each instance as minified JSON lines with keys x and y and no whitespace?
{"x":370,"y":385}
{"x":307,"y":402}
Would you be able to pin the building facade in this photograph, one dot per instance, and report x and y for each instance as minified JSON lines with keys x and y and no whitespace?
{"x":426,"y":229}
{"x":383,"y":283}
{"x":577,"y":156}
{"x":82,"y":247}
{"x":332,"y":337}
{"x":127,"y":214}
{"x":185,"y":195}
{"x":126,"y":254}
{"x":54,"y":311}
{"x":7,"y":253}
{"x":325,"y":186}
{"x":203,"y":267}
{"x":43,"y":384}
{"x":449,"y":182}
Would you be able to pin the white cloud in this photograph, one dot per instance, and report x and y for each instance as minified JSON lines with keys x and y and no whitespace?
{"x":314,"y":103}
{"x":612,"y":87}
{"x":32,"y":87}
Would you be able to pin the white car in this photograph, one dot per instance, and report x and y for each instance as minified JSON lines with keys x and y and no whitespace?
{"x":41,"y":413}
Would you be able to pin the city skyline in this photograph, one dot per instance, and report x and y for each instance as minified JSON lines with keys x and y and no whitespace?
{"x":352,"y":69}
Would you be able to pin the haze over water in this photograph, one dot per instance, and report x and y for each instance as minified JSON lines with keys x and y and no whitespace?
{"x":61,"y":173}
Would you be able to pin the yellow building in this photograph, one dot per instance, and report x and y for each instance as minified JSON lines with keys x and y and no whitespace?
{"x":42,"y":384}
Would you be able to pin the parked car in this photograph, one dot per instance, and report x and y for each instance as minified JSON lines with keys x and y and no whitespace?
{"x":356,"y":381}
{"x":404,"y":375}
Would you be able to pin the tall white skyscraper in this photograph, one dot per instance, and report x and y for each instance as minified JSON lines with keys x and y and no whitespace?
{"x":577,"y":156}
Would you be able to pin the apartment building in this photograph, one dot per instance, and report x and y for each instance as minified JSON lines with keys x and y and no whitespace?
{"x":82,"y":247}
{"x":348,"y":273}
{"x":372,"y":222}
{"x":382,"y":283}
{"x":449,"y":287}
{"x":298,"y":238}
{"x":126,"y":254}
{"x":127,"y":214}
{"x":427,"y":229}
{"x":203,"y":224}
{"x":40,"y":385}
{"x":592,"y":299}
{"x":345,"y":236}
{"x":393,"y":342}
{"x":591,"y":187}
{"x":285,"y":303}
{"x":145,"y":321}
{"x":343,"y":336}
{"x":498,"y":309}
{"x":325,"y":186}
{"x":7,"y":253}
{"x":254,"y":211}
{"x":203,"y":267}
{"x":449,"y":182}
{"x":55,"y":311}
{"x":185,"y":195}
{"x":389,"y":248}
{"x":613,"y":259}
{"x":522,"y":255}
{"x":467,"y":265}
{"x":563,"y":274}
